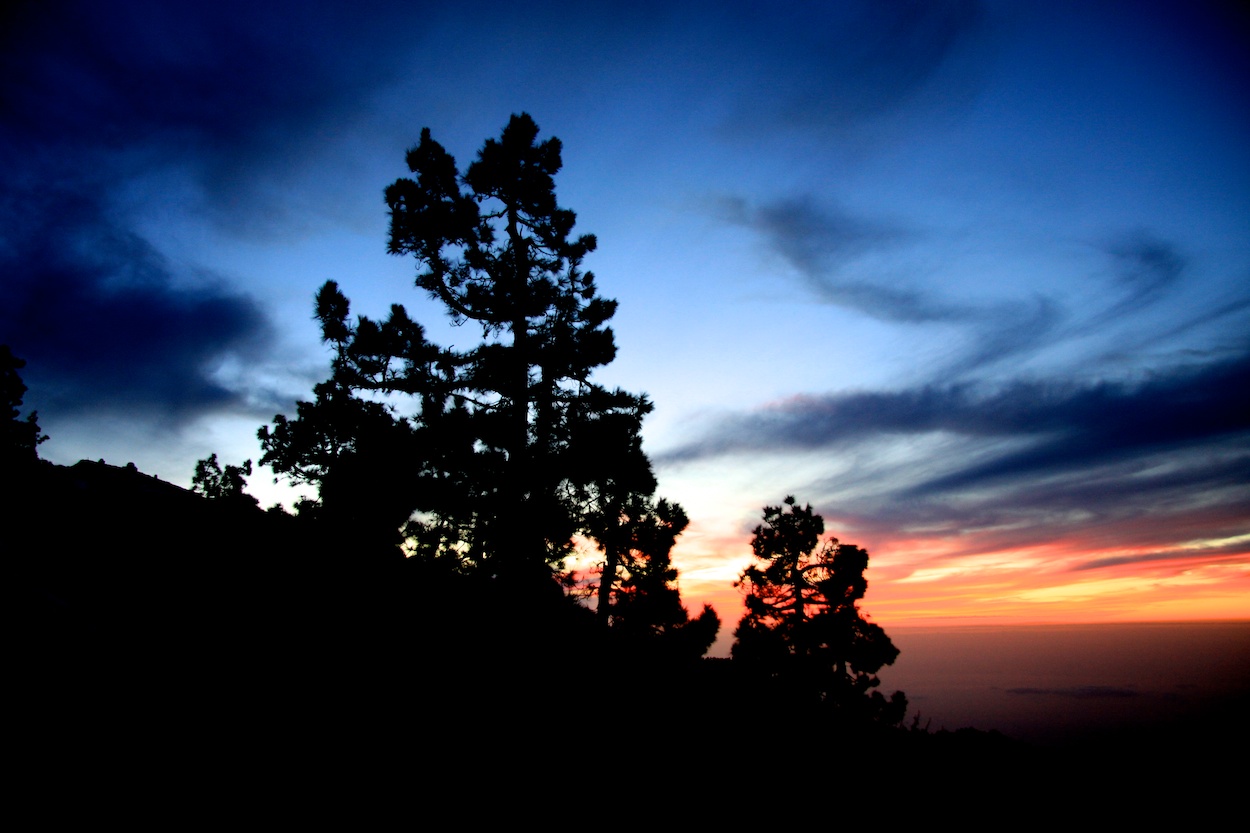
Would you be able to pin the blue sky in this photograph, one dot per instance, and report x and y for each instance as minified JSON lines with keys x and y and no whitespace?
{"x":971,"y":278}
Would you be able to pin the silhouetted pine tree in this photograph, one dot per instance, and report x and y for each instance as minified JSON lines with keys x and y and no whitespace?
{"x":803,"y":628}
{"x":494,"y":458}
{"x":637,"y":590}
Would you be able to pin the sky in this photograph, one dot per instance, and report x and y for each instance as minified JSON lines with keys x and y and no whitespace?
{"x":970,"y":278}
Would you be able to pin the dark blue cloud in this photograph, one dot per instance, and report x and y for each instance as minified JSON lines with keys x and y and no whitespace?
{"x":233,"y":95}
{"x":107,"y":324}
{"x":101,"y":99}
{"x":1082,"y":425}
{"x":1066,"y":420}
{"x":821,"y":242}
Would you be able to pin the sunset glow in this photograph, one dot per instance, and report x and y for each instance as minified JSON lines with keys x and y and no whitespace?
{"x":932,"y":582}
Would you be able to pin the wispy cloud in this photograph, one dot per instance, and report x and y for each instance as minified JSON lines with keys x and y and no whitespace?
{"x":856,"y":262}
{"x":824,"y":243}
{"x":1236,"y":549}
{"x":1143,"y":268}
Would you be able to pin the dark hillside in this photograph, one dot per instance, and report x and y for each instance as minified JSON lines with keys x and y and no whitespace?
{"x":177,"y":628}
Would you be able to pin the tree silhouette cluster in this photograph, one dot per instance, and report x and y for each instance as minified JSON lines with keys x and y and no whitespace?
{"x":214,"y":483}
{"x":450,"y":487}
{"x":493,"y":460}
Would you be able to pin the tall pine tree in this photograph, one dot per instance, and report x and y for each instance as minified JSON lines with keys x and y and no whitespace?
{"x":506,"y":452}
{"x":498,"y":251}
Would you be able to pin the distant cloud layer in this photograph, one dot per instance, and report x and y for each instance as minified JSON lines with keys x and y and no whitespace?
{"x":1166,"y":458}
{"x":1068,"y":421}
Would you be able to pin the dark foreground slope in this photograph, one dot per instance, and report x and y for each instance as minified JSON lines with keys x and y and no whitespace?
{"x":161,"y":637}
{"x":145,"y":604}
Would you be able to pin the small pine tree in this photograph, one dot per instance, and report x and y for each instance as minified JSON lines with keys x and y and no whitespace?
{"x":803,"y":627}
{"x":214,"y":483}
